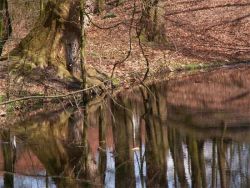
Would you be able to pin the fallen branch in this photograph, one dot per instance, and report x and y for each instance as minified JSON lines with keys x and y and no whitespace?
{"x":50,"y":96}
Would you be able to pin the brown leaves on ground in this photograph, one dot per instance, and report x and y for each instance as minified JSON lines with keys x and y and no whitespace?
{"x":214,"y":30}
{"x":106,"y":47}
{"x":197,"y":31}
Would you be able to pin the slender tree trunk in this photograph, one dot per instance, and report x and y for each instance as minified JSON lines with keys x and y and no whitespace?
{"x":195,"y":164}
{"x":202,"y":163}
{"x":82,"y":48}
{"x":102,"y":144}
{"x":214,"y":165}
{"x":175,"y":145}
{"x":221,"y":150}
{"x":41,"y":7}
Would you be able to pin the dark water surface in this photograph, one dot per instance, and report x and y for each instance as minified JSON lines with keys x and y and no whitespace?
{"x":192,"y":131}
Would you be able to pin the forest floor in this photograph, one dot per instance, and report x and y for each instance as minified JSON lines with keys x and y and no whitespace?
{"x":200,"y":34}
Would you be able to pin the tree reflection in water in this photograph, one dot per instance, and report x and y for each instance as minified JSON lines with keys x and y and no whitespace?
{"x":151,"y":137}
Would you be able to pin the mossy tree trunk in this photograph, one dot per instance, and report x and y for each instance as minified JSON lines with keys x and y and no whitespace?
{"x":5,"y":23}
{"x":99,"y":6}
{"x":152,"y":20}
{"x":55,"y":41}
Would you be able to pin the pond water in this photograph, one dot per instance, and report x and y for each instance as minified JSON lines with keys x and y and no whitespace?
{"x":190,"y":131}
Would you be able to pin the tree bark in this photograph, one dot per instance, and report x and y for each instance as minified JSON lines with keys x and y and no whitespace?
{"x":56,"y":41}
{"x":152,"y":20}
{"x":99,"y":6}
{"x":5,"y":23}
{"x":41,"y":7}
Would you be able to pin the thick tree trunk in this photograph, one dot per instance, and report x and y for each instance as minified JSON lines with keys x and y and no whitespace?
{"x":55,"y":42}
{"x":5,"y":23}
{"x":153,"y":20}
{"x":99,"y":6}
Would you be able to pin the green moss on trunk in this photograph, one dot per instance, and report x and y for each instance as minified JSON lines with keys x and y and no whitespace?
{"x":55,"y":42}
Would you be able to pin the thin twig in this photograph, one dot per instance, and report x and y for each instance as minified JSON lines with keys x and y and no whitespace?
{"x":130,"y":42}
